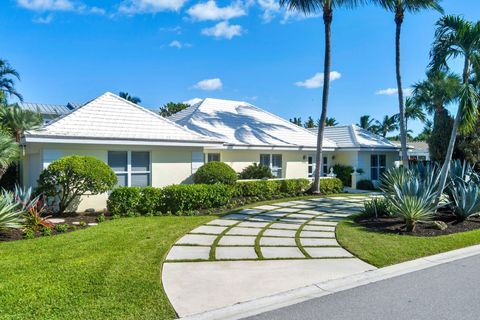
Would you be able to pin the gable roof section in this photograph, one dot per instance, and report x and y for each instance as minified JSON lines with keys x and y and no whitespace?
{"x":354,"y":137}
{"x":49,"y":109}
{"x":242,"y":125}
{"x":111,"y":119}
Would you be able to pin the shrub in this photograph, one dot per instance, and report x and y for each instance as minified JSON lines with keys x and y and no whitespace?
{"x":376,"y":208}
{"x":184,"y":198}
{"x":61,"y":227}
{"x":32,"y":215}
{"x":256,"y":171}
{"x":294,"y":187}
{"x":365,"y":185}
{"x":262,"y":189}
{"x":72,"y":176}
{"x":344,"y":173}
{"x":215,"y":172}
{"x":100,"y":218}
{"x":124,"y":201}
{"x":330,"y":186}
{"x":151,"y":200}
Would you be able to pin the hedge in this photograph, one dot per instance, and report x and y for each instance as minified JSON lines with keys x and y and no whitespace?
{"x":185,"y":199}
{"x":215,"y":173}
{"x":365,"y":185}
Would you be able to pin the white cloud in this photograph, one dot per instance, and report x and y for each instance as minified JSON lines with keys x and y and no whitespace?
{"x":177,"y":29}
{"x":193,"y":101}
{"x":210,"y":11}
{"x":270,"y":9}
{"x":43,"y":20}
{"x":317,"y":80}
{"x":290,"y":15}
{"x":209,"y":84}
{"x":47,"y":5}
{"x":97,"y":10}
{"x":223,"y":30}
{"x":393,"y":91}
{"x":179,"y":45}
{"x":150,"y":6}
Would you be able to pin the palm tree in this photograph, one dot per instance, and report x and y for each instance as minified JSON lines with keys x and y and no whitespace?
{"x":331,"y":122}
{"x":426,"y":132}
{"x":9,"y":152}
{"x":7,"y":82}
{"x":413,"y":111}
{"x":387,"y":125}
{"x":399,"y":7}
{"x":297,"y":121}
{"x":367,"y":123}
{"x":130,"y":98}
{"x":19,"y":120}
{"x":310,"y":123}
{"x":326,"y":7}
{"x":456,"y":37}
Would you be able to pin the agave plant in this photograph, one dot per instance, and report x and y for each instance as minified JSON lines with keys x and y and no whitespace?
{"x":466,"y":199}
{"x":463,"y":171}
{"x":10,"y":214}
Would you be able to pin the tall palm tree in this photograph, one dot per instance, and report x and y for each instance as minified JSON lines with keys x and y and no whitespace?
{"x":413,"y":111}
{"x":367,"y":123}
{"x":456,"y":37}
{"x":331,"y":122}
{"x":7,"y":80}
{"x":19,"y":120}
{"x":426,"y":132}
{"x":9,"y":152}
{"x":127,"y":96}
{"x":387,"y":125}
{"x":326,"y":7}
{"x":399,"y":8}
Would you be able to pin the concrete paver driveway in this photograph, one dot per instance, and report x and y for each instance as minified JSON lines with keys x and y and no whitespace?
{"x":259,"y":252}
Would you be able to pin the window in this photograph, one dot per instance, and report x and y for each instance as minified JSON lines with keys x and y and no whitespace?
{"x":312,"y":166}
{"x":377,"y":166}
{"x":213,"y":157}
{"x":131,"y":167}
{"x":274,"y":162}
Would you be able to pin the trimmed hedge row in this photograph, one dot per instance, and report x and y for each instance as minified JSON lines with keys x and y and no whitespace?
{"x":187,"y":199}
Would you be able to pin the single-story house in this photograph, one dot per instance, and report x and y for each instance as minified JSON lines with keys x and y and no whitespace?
{"x":49,"y":112}
{"x":417,"y":150}
{"x":145,"y":149}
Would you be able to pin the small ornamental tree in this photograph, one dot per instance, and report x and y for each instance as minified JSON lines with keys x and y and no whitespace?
{"x":70,"y":177}
{"x":215,"y":172}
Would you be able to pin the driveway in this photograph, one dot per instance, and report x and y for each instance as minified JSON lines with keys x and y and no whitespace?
{"x":258,"y":252}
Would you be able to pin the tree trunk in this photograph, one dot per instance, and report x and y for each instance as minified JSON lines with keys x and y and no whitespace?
{"x":401,"y":103}
{"x":453,"y":136}
{"x":327,"y":19}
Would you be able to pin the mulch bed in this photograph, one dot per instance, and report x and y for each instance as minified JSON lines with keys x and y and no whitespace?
{"x":12,"y":235}
{"x":397,"y":225}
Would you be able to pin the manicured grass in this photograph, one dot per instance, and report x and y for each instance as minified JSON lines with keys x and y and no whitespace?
{"x":383,"y":249}
{"x":111,"y":271}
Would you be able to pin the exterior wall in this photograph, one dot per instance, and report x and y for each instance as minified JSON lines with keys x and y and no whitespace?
{"x":169,"y":165}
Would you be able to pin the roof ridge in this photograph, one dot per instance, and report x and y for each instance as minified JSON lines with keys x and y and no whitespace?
{"x":354,"y":135}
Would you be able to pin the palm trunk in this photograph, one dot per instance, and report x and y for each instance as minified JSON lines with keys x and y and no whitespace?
{"x":401,"y":104}
{"x":327,"y":19}
{"x":453,"y":136}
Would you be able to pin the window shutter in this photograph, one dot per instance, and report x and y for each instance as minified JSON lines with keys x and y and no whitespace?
{"x":197,"y":161}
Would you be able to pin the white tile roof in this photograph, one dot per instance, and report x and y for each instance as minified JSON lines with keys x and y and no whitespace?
{"x":241,"y":124}
{"x":352,"y":136}
{"x":110,"y":117}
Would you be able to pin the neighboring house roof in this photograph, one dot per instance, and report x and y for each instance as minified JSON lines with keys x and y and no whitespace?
{"x":49,"y":109}
{"x":354,"y":137}
{"x":243,"y":125}
{"x":415,"y":146}
{"x":111,"y":119}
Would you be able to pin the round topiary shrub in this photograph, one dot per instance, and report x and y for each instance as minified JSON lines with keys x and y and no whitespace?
{"x":215,"y":172}
{"x":69,"y":177}
{"x":256,"y":171}
{"x":365,"y":185}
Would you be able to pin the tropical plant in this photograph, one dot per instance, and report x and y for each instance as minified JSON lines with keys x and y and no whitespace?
{"x":171,"y":108}
{"x":128,"y":97}
{"x":10,"y":214}
{"x":67,"y":178}
{"x":308,"y":7}
{"x":426,"y":132}
{"x":376,"y":208}
{"x":7,"y":82}
{"x":466,"y":199}
{"x":440,"y":136}
{"x":367,"y":123}
{"x":399,"y":8}
{"x":413,"y":111}
{"x":387,"y":125}
{"x":462,"y":171}
{"x":256,"y":171}
{"x":330,"y":122}
{"x":9,"y":152}
{"x":310,"y":123}
{"x":296,"y":121}
{"x":33,"y":215}
{"x":19,"y":120}
{"x":456,"y":37}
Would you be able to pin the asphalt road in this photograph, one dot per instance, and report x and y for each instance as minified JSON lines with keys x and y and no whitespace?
{"x":448,"y":291}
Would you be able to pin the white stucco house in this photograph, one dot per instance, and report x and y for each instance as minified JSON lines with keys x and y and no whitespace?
{"x":145,"y":149}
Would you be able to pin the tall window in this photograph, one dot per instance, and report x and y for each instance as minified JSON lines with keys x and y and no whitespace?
{"x":213,"y":157}
{"x":274,"y":162}
{"x":378,"y":164}
{"x":131,"y":167}
{"x":312,"y":166}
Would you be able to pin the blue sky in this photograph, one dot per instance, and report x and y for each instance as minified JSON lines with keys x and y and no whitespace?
{"x":252,"y":50}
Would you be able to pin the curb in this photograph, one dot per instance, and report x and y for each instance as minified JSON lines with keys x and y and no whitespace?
{"x":265,"y":304}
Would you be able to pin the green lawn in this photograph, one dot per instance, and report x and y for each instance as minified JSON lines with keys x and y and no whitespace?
{"x":111,"y":271}
{"x":382,"y":249}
